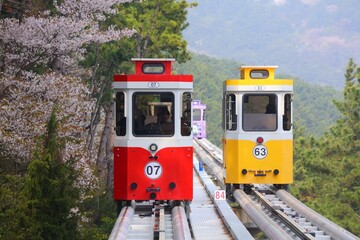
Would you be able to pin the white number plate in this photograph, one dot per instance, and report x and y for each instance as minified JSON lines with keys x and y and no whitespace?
{"x":260,"y":151}
{"x":153,"y":170}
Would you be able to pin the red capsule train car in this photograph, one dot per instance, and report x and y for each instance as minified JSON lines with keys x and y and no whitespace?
{"x":153,"y":148}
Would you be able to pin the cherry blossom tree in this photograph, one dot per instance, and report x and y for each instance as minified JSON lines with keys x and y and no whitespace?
{"x":39,"y":71}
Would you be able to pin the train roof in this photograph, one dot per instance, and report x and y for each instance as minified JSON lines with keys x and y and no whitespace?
{"x":257,"y":72}
{"x":258,"y":78}
{"x":153,"y":59}
{"x":259,"y":67}
{"x":197,"y":102}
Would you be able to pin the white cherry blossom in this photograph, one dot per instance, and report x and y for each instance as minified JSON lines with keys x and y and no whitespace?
{"x":52,"y":44}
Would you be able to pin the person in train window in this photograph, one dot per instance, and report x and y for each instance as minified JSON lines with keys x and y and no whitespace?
{"x":140,"y":124}
{"x":271,"y":107}
{"x":139,"y":118}
{"x":163,"y":119}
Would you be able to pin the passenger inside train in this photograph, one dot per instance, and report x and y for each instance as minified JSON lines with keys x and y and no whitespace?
{"x":153,"y":114}
{"x":164,"y":120}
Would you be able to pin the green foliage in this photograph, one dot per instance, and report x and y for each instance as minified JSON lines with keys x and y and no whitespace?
{"x":327,"y":168}
{"x":50,"y":189}
{"x":102,"y":209}
{"x":313,"y":107}
{"x":105,"y":60}
{"x":14,"y":215}
{"x":45,"y":204}
{"x":159,"y":25}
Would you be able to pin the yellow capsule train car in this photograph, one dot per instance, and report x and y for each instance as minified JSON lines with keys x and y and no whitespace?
{"x":257,"y":124}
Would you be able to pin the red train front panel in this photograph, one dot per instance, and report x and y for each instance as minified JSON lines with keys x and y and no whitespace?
{"x":141,"y":175}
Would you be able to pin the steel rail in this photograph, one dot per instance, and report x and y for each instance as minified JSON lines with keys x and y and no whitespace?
{"x":212,"y":150}
{"x":181,"y":228}
{"x":264,"y":222}
{"x":292,"y":225}
{"x":122,"y":225}
{"x":336,"y":232}
{"x":179,"y":224}
{"x":208,"y":160}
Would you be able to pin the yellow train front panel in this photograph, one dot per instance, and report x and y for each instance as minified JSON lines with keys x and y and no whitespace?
{"x":247,"y":161}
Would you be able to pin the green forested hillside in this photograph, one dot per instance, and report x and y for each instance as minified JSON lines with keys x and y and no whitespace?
{"x":327,"y":168}
{"x":314,"y":110}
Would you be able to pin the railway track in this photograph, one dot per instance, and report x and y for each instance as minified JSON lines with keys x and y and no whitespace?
{"x":278,"y":214}
{"x":209,"y":219}
{"x":151,"y":221}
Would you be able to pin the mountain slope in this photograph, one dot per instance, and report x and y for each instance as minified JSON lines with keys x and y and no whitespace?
{"x":311,"y":39}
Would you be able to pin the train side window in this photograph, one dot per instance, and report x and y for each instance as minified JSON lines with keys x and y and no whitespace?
{"x":120,"y":128}
{"x":259,"y":112}
{"x":230,"y":112}
{"x":186,"y":114}
{"x":287,"y":113}
{"x":197,"y":114}
{"x":204,"y":115}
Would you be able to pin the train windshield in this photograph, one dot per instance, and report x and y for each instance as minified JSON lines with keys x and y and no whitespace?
{"x":259,"y":112}
{"x":153,"y":114}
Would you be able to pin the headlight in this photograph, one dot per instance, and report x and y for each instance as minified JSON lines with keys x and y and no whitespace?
{"x":153,"y":147}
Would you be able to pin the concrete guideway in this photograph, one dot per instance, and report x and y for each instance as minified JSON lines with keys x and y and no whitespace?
{"x":210,"y":218}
